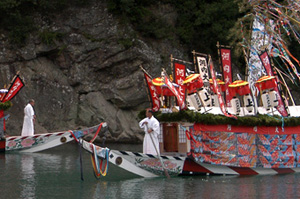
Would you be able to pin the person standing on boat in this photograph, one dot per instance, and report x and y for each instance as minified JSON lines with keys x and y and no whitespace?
{"x":151,"y":127}
{"x":29,"y":119}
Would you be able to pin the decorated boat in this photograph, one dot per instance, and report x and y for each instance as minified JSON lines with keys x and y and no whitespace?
{"x":216,"y":123}
{"x":210,"y":149}
{"x":40,"y":142}
{"x":37,"y":142}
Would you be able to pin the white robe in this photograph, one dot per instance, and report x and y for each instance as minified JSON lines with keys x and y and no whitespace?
{"x":28,"y":129}
{"x":148,"y":147}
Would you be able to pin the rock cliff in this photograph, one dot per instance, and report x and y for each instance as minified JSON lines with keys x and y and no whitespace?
{"x":88,"y":74}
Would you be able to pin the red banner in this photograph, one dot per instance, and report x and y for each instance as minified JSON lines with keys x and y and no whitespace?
{"x":180,"y":100}
{"x":227,"y":72}
{"x":218,"y":91}
{"x":264,"y":57}
{"x":153,"y":93}
{"x":179,"y":77}
{"x":15,"y":87}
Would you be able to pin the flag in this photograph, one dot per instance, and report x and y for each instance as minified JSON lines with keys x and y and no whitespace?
{"x":179,"y":77}
{"x":218,"y":90}
{"x":227,"y":72}
{"x":203,"y":70}
{"x":265,"y":60}
{"x":180,"y":100}
{"x":14,"y":88}
{"x":153,"y":93}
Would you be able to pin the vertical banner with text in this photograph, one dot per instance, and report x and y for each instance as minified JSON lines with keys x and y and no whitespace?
{"x":225,"y":54}
{"x":218,"y":90}
{"x":180,"y":100}
{"x":179,"y":77}
{"x":265,"y":59}
{"x":203,"y":70}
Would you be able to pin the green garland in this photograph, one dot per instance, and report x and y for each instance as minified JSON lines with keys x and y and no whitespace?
{"x":211,"y":119}
{"x":5,"y":105}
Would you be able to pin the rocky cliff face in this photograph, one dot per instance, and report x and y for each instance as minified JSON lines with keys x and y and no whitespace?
{"x":88,"y":75}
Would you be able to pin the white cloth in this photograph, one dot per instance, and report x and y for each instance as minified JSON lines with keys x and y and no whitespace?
{"x":148,"y":147}
{"x":28,"y":129}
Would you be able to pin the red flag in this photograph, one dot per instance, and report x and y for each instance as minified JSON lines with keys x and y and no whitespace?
{"x":179,"y":77}
{"x":217,"y":89}
{"x":227,"y":73}
{"x":15,"y":87}
{"x":180,"y":100}
{"x":264,"y":57}
{"x":153,"y":93}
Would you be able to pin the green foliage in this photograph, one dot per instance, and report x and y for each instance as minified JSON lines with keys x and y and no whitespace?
{"x":5,"y":105}
{"x":127,"y":43}
{"x":211,"y":119}
{"x":48,"y":37}
{"x":140,"y":15}
{"x":17,"y":16}
{"x":200,"y":23}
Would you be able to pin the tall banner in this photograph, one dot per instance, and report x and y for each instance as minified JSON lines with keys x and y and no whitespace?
{"x":260,"y":39}
{"x":153,"y":93}
{"x":203,"y":70}
{"x":218,"y":91}
{"x":180,"y":100}
{"x":179,"y":77}
{"x":15,"y":87}
{"x":225,"y":54}
{"x":265,"y":60}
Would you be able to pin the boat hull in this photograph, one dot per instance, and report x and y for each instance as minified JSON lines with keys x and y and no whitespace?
{"x":40,"y":142}
{"x":144,"y":165}
{"x":193,"y":168}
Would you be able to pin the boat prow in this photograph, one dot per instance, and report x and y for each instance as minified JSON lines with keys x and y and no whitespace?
{"x":40,"y":142}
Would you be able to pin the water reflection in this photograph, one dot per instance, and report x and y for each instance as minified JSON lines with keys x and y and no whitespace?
{"x":28,"y":177}
{"x":56,"y":174}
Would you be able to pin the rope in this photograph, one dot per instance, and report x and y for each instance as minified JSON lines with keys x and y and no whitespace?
{"x":98,"y":130}
{"x":75,"y":138}
{"x":188,"y":134}
{"x":98,"y":171}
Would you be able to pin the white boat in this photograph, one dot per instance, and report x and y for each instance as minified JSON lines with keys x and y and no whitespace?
{"x":40,"y":142}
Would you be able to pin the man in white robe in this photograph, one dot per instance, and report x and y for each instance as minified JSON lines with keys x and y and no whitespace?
{"x":29,"y":119}
{"x":151,"y":127}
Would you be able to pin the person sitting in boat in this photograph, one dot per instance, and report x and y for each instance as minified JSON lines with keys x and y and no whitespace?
{"x":151,"y":127}
{"x":29,"y":119}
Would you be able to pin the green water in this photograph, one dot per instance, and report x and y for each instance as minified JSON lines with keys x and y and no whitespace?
{"x":56,"y":174}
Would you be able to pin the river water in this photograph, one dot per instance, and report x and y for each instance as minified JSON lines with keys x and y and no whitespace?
{"x":55,"y":173}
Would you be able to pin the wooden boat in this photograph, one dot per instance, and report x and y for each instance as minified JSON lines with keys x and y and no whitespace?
{"x":40,"y":142}
{"x":200,"y":149}
{"x":207,"y":139}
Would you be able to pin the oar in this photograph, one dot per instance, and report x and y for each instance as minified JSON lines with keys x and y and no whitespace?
{"x":158,"y":155}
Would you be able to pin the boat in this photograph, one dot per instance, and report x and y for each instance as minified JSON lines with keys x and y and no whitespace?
{"x":37,"y":142}
{"x":212,"y":124}
{"x":41,"y":142}
{"x":211,"y":150}
{"x":246,"y":134}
